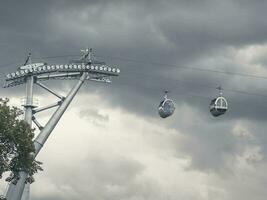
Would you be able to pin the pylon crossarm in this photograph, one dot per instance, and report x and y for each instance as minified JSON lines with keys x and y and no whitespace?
{"x":35,"y":70}
{"x":100,"y":79}
{"x":49,"y":90}
{"x":76,"y":75}
{"x":14,"y":83}
{"x":59,"y":76}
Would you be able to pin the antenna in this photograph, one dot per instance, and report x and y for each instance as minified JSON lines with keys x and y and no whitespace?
{"x":28,"y":59}
{"x":32,"y":74}
{"x":220,"y":90}
{"x":166,"y":94}
{"x":90,"y":55}
{"x":87,"y":54}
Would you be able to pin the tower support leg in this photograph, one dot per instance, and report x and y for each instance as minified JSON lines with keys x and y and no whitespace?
{"x":15,"y":191}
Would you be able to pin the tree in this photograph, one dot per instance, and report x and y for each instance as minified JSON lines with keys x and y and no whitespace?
{"x":16,"y":146}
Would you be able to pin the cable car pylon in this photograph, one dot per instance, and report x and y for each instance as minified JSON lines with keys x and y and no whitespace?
{"x":30,"y":74}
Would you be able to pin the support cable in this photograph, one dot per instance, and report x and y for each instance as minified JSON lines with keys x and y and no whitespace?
{"x":184,"y":67}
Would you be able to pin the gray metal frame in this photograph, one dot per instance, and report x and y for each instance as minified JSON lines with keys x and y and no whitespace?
{"x":31,"y":74}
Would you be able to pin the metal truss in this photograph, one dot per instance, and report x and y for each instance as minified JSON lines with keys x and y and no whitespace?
{"x":30,"y":74}
{"x":98,"y":72}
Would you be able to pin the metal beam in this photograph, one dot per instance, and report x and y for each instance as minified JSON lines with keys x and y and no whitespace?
{"x":45,"y":133}
{"x":47,"y":107}
{"x":49,"y":90}
{"x":37,"y":123}
{"x":14,"y":192}
{"x":62,"y":75}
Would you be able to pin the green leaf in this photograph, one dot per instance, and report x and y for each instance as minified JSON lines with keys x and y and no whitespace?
{"x":16,"y":144}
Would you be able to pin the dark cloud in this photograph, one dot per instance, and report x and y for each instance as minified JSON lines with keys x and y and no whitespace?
{"x":214,"y":35}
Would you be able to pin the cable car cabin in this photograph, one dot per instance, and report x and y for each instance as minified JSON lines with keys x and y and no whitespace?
{"x":166,"y":108}
{"x":218,"y":106}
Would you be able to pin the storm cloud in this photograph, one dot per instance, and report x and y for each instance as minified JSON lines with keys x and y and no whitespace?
{"x":158,"y":45}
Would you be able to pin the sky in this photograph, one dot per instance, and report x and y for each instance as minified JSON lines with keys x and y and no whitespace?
{"x":111,"y":143}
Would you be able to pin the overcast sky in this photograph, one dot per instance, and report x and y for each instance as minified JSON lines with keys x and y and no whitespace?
{"x":111,"y":144}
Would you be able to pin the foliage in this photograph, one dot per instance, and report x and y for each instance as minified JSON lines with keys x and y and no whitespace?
{"x":2,"y":197}
{"x":16,"y":146}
